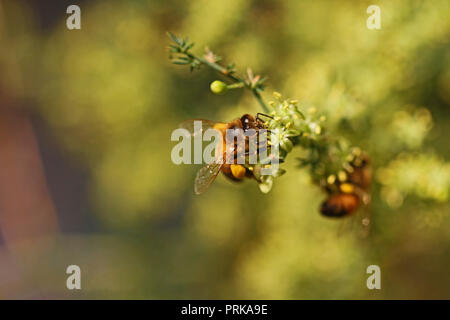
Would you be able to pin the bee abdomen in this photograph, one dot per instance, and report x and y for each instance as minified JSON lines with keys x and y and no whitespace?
{"x":339,"y":205}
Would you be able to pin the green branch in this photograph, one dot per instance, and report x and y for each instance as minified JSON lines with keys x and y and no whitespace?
{"x":183,"y":56}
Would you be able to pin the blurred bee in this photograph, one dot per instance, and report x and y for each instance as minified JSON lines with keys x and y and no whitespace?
{"x":347,"y":192}
{"x":207,"y":174}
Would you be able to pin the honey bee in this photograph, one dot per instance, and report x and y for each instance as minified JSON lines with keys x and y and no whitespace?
{"x":345,"y":197}
{"x":340,"y":205}
{"x":207,"y":174}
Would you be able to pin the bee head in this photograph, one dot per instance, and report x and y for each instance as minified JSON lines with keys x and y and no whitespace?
{"x":247,"y":121}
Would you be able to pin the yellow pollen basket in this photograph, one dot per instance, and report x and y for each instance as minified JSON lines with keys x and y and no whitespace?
{"x":238,"y":171}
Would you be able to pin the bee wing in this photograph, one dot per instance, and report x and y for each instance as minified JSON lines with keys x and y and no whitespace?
{"x":195,"y":130}
{"x":206,"y":176}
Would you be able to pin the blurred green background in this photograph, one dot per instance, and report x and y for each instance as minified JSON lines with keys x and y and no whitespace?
{"x":86,"y":176}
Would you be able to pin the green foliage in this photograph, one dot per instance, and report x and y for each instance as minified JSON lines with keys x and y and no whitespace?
{"x":108,"y":103}
{"x":255,"y":83}
{"x":425,"y":176}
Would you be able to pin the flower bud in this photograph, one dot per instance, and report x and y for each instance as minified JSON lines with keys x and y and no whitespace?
{"x":218,"y":87}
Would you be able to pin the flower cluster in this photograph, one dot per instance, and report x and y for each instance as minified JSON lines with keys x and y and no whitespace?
{"x":334,"y":165}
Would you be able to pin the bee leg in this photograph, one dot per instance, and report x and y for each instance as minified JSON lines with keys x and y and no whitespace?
{"x":263,"y":114}
{"x":259,"y":114}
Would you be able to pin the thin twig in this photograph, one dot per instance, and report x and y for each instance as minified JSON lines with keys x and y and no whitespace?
{"x":254,"y":84}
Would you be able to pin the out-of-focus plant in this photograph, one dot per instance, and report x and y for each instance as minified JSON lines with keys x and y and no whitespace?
{"x":424,"y":176}
{"x":110,"y":104}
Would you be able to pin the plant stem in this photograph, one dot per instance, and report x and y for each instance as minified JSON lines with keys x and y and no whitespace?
{"x":236,"y":85}
{"x":225,"y":72}
{"x":217,"y":67}
{"x":261,"y":101}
